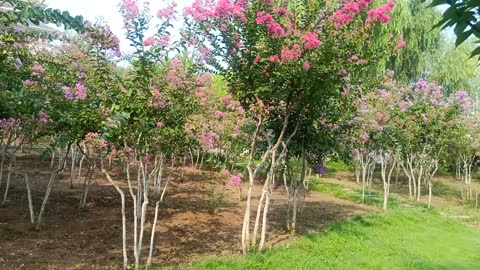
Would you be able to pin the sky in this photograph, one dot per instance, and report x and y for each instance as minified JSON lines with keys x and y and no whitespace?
{"x":107,"y":10}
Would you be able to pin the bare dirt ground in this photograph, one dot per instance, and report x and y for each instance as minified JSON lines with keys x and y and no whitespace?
{"x":200,"y":216}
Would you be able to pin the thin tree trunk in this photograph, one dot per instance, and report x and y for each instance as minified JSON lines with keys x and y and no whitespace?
{"x":124,"y":219}
{"x":30,"y":203}
{"x":9,"y":175}
{"x":152,"y":237}
{"x":72,"y":168}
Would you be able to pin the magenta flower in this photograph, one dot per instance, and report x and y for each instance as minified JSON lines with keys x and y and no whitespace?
{"x":257,"y":59}
{"x":381,"y":13}
{"x":310,"y":41}
{"x":280,"y":11}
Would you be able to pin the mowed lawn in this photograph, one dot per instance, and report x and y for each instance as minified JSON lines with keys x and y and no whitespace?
{"x":412,"y":238}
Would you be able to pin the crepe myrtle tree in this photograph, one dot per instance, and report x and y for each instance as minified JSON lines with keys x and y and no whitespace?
{"x":147,"y":113}
{"x":466,"y":142}
{"x":422,"y":122}
{"x":280,"y":59}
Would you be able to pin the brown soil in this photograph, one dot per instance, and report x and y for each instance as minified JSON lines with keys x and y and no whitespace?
{"x":200,"y":216}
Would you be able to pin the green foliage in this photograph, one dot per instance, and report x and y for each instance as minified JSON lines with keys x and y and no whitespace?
{"x":412,"y":20}
{"x":399,"y":239}
{"x":463,"y":16}
{"x":26,"y":13}
{"x":452,"y":68}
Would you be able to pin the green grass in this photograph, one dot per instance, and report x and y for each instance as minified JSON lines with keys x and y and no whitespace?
{"x":338,"y":166}
{"x":355,"y":195}
{"x":400,"y":239}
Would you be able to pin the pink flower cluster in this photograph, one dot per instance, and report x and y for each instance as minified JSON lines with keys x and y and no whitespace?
{"x":345,"y":14}
{"x":291,"y":54}
{"x":149,"y":41}
{"x":37,"y":69}
{"x":236,"y":180}
{"x":94,"y":136}
{"x":158,"y":102}
{"x":275,"y":30}
{"x":203,"y":9}
{"x":168,"y":12}
{"x":44,"y":117}
{"x":463,"y":99}
{"x":208,"y":139}
{"x":381,"y":13}
{"x":401,"y":43}
{"x":218,"y":114}
{"x":7,"y":124}
{"x":81,"y":91}
{"x":130,"y":7}
{"x":310,"y":41}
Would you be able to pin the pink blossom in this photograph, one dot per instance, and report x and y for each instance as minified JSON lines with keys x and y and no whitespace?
{"x":227,"y":9}
{"x":159,"y":124}
{"x":158,"y":102}
{"x":424,"y":118}
{"x":341,"y":18}
{"x":130,"y":8}
{"x":218,"y":114}
{"x":236,"y":180}
{"x":226,"y":99}
{"x":167,"y":12}
{"x":264,"y":18}
{"x":280,"y":11}
{"x":381,"y":13}
{"x":81,"y":91}
{"x":37,"y":69}
{"x":275,"y":30}
{"x":351,"y":7}
{"x":27,"y":82}
{"x":44,"y":117}
{"x":362,"y":61}
{"x":400,"y":45}
{"x":205,"y":79}
{"x":200,"y":10}
{"x":102,"y":143}
{"x":17,"y":45}
{"x":208,"y":139}
{"x":306,"y":65}
{"x":257,"y":59}
{"x":274,"y":58}
{"x":291,"y":54}
{"x":164,"y":40}
{"x":310,"y":40}
{"x":149,"y":41}
{"x":225,"y":172}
